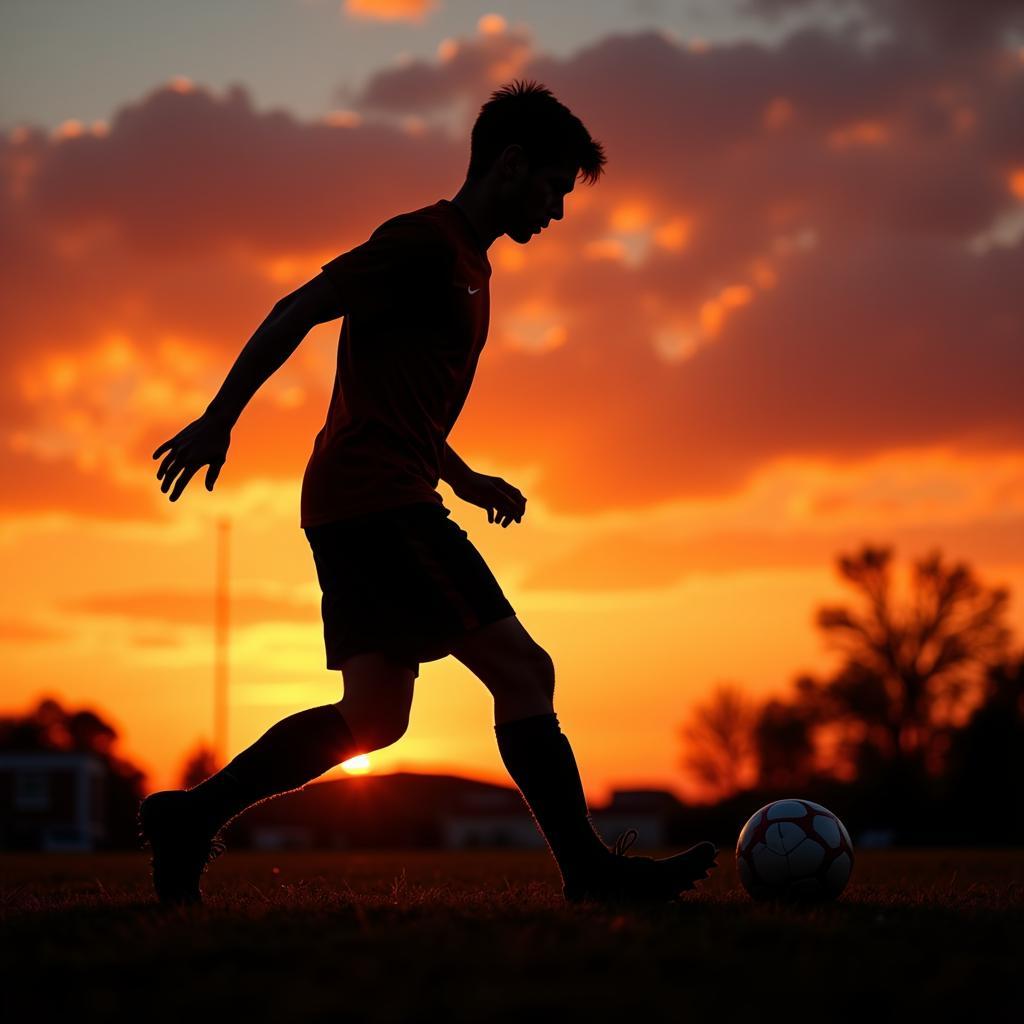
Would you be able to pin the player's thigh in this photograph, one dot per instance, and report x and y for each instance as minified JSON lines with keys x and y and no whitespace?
{"x":377,"y":696}
{"x":504,"y":656}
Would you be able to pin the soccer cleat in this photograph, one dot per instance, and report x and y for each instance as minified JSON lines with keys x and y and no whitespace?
{"x":182,"y":847}
{"x":623,"y":879}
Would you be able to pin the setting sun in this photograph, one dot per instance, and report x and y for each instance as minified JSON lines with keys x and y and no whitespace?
{"x":358,"y":765}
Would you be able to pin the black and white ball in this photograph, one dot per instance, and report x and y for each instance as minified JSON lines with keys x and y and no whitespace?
{"x":794,"y":850}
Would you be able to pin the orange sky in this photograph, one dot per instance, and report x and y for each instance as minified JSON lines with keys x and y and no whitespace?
{"x":785,"y":323}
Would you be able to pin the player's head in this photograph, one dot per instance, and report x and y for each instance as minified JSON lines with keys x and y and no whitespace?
{"x":529,"y":149}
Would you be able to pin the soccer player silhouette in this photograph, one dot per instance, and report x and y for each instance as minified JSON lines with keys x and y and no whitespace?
{"x":401,"y":582}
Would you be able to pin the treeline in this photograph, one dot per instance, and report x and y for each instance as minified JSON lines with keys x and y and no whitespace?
{"x":52,"y":728}
{"x":917,"y":737}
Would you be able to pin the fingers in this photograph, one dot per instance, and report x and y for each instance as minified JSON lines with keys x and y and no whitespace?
{"x":183,"y":481}
{"x":170,"y":478}
{"x":171,"y":444}
{"x":186,"y":453}
{"x":165,"y":466}
{"x":180,"y":474}
{"x":515,"y":514}
{"x":506,"y":517}
{"x":508,"y":506}
{"x":511,"y":510}
{"x":513,"y":507}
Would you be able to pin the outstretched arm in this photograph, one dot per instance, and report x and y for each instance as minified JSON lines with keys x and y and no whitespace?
{"x":205,"y":441}
{"x":274,"y":341}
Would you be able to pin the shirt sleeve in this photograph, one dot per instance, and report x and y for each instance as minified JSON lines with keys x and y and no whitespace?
{"x":405,"y":265}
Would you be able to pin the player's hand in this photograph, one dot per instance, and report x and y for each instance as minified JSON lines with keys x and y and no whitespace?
{"x":204,"y":442}
{"x":504,"y":503}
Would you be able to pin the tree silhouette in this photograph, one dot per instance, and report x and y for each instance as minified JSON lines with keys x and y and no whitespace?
{"x":200,"y":764}
{"x":718,"y":740}
{"x":784,"y":742}
{"x":986,"y":759}
{"x":911,"y":675}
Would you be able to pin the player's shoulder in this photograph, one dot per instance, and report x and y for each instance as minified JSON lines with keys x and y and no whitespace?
{"x":424,"y":227}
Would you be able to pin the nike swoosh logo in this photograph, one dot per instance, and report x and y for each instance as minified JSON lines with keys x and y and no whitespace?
{"x":473,"y":291}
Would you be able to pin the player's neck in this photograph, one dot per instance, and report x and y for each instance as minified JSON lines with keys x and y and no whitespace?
{"x":479,"y":212}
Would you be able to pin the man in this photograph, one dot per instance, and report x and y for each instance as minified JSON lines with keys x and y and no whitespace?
{"x":401,"y":582}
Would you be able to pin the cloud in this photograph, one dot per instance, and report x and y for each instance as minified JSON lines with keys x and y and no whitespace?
{"x":627,"y":560}
{"x":938,"y":25}
{"x":466,"y":70}
{"x":59,"y":487}
{"x":390,"y":10}
{"x":22,"y":631}
{"x":777,"y":263}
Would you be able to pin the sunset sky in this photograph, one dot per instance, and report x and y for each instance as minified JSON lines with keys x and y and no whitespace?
{"x":788,"y":321}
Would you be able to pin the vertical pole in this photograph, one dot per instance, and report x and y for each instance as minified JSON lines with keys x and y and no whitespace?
{"x":220,"y":680}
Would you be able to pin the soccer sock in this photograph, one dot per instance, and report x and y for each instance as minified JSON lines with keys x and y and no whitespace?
{"x":287,"y":756}
{"x":540,"y":760}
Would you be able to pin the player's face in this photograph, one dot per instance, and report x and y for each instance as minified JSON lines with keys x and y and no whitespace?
{"x":537,"y":199}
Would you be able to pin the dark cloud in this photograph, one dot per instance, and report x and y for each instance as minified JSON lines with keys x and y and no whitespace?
{"x":946,"y":25}
{"x":631,"y":561}
{"x":856,"y":176}
{"x":467,"y":71}
{"x":187,"y":172}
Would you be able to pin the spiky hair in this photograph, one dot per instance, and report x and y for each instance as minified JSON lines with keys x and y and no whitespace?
{"x":528,"y":114}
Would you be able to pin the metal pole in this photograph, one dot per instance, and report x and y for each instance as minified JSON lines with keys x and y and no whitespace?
{"x":220,"y":679}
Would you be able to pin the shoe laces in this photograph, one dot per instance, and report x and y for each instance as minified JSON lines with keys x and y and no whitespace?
{"x":624,"y":841}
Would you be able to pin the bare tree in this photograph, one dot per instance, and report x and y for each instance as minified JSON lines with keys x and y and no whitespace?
{"x":912,"y":674}
{"x":718,"y":740}
{"x":784,"y":741}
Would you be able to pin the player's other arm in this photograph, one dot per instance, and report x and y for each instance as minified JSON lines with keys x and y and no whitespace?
{"x":453,"y":470}
{"x":504,"y":503}
{"x":205,"y":441}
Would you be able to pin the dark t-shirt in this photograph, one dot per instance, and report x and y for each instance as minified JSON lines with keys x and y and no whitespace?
{"x":416,"y":303}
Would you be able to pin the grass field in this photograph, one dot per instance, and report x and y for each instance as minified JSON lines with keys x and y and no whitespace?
{"x":483,"y":936}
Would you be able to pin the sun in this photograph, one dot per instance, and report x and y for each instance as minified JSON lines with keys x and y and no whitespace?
{"x":358,"y":765}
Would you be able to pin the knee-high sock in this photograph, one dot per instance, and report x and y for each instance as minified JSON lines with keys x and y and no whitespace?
{"x":540,"y":760}
{"x":287,"y":756}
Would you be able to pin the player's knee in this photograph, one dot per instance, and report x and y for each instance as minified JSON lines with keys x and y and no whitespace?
{"x":526,"y":672}
{"x":387,"y":730}
{"x":537,"y":674}
{"x":392,"y":731}
{"x":375,"y":727}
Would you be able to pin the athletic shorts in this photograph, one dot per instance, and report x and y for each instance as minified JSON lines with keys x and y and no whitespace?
{"x":406,"y":582}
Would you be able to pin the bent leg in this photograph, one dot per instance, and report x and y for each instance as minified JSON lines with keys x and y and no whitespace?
{"x":518,"y":672}
{"x":520,"y":675}
{"x":377,"y":699}
{"x":303,"y":746}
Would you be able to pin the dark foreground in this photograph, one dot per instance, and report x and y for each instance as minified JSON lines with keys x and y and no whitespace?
{"x":407,"y":936}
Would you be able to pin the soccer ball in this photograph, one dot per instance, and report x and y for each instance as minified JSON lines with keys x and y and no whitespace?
{"x":794,"y":850}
